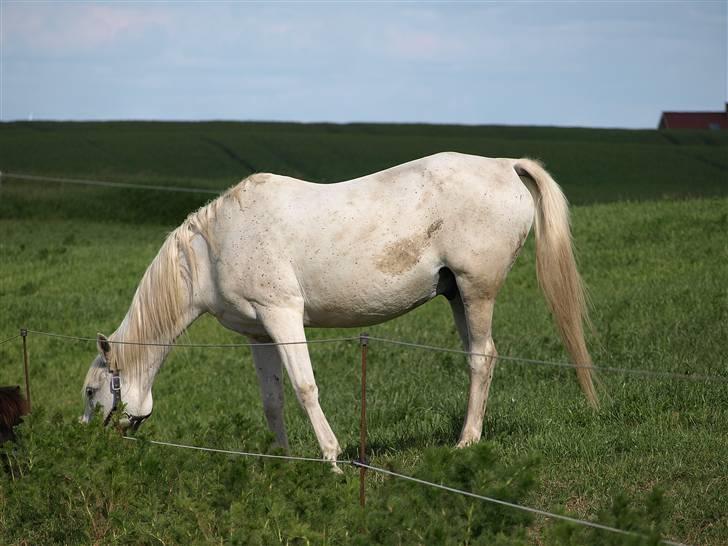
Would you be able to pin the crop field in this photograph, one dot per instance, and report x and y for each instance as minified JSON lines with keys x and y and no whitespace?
{"x":650,"y":223}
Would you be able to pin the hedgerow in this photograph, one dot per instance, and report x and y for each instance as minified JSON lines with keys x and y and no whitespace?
{"x":71,"y":483}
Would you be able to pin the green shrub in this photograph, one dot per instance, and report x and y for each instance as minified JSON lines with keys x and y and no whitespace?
{"x":74,"y":483}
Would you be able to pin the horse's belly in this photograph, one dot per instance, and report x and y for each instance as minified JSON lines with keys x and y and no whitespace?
{"x":367,"y":299}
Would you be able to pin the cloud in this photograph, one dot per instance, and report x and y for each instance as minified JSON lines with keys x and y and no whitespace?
{"x":63,"y":28}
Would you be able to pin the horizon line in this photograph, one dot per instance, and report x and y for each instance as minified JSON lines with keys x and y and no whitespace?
{"x":342,"y":123}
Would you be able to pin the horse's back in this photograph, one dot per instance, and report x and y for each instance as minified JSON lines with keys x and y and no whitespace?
{"x":446,"y":185}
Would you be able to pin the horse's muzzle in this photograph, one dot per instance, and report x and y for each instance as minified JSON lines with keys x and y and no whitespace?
{"x":133,"y":422}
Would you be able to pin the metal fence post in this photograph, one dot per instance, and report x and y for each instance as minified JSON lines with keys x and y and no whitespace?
{"x":364,"y":343}
{"x":24,"y":335}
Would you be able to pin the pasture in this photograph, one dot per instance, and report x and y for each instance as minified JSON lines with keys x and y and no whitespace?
{"x":650,"y":219}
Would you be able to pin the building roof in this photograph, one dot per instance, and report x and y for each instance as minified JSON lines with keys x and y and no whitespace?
{"x":694,"y":120}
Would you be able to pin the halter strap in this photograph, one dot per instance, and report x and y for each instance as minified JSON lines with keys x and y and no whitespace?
{"x":115,"y":387}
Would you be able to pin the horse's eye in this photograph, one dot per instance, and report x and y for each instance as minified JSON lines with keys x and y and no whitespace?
{"x":89,"y":392}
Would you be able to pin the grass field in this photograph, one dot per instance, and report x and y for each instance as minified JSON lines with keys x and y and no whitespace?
{"x":650,"y":222}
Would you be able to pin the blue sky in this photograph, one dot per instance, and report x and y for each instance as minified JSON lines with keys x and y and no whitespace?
{"x":598,"y":64}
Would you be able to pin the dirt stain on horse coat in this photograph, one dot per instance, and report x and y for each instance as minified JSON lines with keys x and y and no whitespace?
{"x":402,"y":255}
{"x":434,"y":227}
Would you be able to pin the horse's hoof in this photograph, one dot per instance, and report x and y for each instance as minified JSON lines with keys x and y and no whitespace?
{"x":465,"y":443}
{"x":335,"y":469}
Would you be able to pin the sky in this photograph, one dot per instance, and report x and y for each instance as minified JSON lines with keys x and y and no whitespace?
{"x":590,"y":64}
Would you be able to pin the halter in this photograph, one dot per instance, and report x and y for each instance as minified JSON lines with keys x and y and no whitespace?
{"x":115,"y":386}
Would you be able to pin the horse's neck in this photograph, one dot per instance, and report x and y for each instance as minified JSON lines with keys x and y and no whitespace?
{"x":160,"y":311}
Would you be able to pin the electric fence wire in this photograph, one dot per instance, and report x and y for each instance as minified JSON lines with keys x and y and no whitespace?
{"x":9,"y":339}
{"x":239,"y":453}
{"x":596,"y":368}
{"x":198,"y":345}
{"x":105,"y":184}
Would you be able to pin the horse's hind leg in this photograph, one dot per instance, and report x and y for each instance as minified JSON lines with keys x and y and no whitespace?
{"x":270,"y":378}
{"x":473,"y":313}
{"x":285,"y":326}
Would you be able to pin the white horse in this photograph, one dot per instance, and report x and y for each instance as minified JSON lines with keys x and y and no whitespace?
{"x":274,"y":254}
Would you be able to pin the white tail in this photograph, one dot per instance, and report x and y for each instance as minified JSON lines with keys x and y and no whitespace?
{"x":556,"y":267}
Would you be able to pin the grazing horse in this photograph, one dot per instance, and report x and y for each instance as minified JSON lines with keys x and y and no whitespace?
{"x":275,"y":254}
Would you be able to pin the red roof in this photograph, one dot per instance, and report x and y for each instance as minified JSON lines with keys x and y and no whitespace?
{"x":694,"y":120}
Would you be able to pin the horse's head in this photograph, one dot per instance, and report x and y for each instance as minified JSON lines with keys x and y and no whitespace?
{"x":109,"y":386}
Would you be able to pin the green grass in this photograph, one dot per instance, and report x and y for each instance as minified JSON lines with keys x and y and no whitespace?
{"x":593,"y":165}
{"x":653,"y":459}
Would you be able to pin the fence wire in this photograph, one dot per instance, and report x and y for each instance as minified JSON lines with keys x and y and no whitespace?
{"x":596,"y":368}
{"x":9,"y":339}
{"x":239,"y":453}
{"x":516,"y":359}
{"x":105,"y":184}
{"x":199,"y":345}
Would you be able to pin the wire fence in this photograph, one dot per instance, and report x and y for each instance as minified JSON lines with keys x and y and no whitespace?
{"x":105,"y":183}
{"x":198,"y":345}
{"x":596,"y":368}
{"x":4,"y":341}
{"x":362,"y":464}
{"x":239,"y":453}
{"x":432,"y":348}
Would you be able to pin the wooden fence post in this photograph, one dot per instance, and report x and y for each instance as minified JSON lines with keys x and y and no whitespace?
{"x":363,"y":342}
{"x":24,"y":334}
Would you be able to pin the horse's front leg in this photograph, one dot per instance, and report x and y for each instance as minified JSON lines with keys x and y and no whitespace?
{"x":285,"y":326}
{"x":267,"y":362}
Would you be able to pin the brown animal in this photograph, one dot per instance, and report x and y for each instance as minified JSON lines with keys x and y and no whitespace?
{"x":12,"y":408}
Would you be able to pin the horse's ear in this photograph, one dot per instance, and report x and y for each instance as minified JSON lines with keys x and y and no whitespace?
{"x":103,"y":345}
